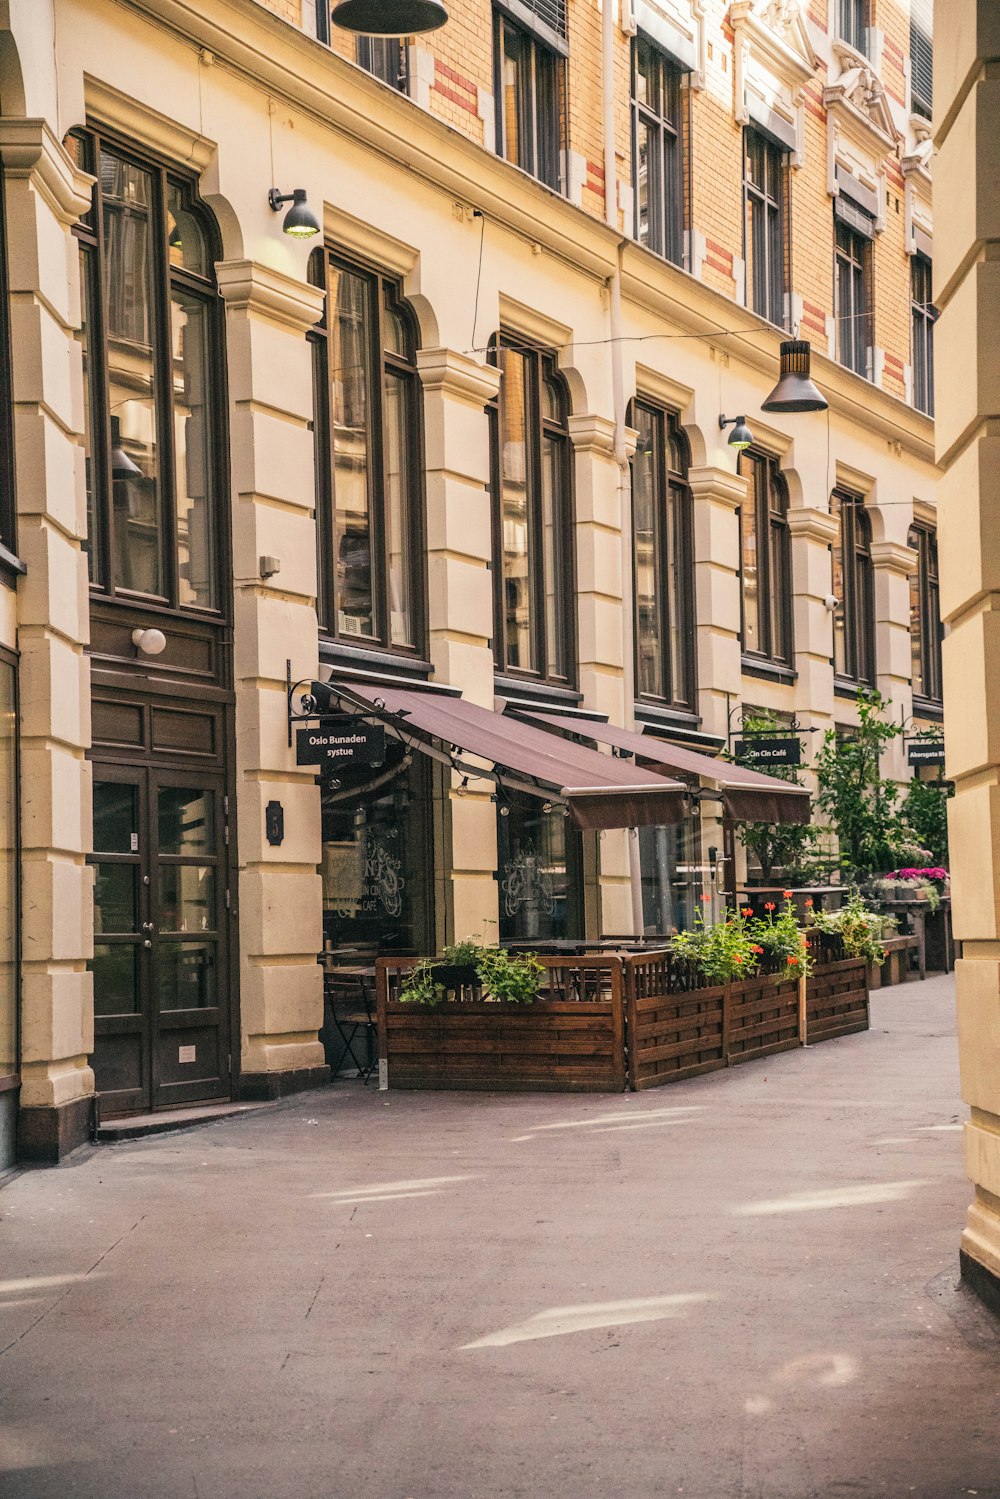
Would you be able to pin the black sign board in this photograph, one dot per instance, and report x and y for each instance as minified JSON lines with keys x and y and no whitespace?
{"x":763,"y":752}
{"x":925,"y":752}
{"x":346,"y":744}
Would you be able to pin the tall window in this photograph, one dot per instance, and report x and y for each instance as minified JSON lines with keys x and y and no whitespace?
{"x":529,"y":88}
{"x":661,"y":516}
{"x":765,"y":561}
{"x":152,"y":357}
{"x":853,"y":292}
{"x":921,"y":57}
{"x":764,"y":225}
{"x":925,"y":616}
{"x":367,"y":459}
{"x":852,"y":23}
{"x":384,"y":57}
{"x":853,"y":588}
{"x":657,"y":151}
{"x":922,"y":318}
{"x":532,"y":517}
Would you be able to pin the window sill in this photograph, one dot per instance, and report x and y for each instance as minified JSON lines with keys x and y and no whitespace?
{"x":372,"y":660}
{"x":768,"y":671}
{"x":849,"y":690}
{"x":925,"y":708}
{"x":11,"y":567}
{"x":530,"y":690}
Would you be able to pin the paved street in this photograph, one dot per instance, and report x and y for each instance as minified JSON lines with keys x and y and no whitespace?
{"x":738,"y":1286}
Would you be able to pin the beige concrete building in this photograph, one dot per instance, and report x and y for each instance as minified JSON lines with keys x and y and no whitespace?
{"x":466,"y":439}
{"x":967,"y":123}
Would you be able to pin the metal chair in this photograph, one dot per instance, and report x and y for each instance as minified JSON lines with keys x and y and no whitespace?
{"x":349,"y":994}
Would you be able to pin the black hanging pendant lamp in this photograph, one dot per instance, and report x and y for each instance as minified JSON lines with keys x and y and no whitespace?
{"x":389,"y":17}
{"x":795,"y":390}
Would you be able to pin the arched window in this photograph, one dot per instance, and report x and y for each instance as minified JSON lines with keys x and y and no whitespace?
{"x":152,"y":362}
{"x":854,"y":590}
{"x":368,"y":465}
{"x":532,"y":516}
{"x":662,"y":559}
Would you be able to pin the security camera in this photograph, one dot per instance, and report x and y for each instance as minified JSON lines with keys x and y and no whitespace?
{"x":831,"y":602}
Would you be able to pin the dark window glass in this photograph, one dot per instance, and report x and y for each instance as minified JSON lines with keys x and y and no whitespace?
{"x":151,"y":350}
{"x":529,"y":83}
{"x":764,"y":227}
{"x":663,"y":559}
{"x":853,"y":293}
{"x":368,"y":460}
{"x":384,"y":57}
{"x":765,"y":561}
{"x":925,"y":616}
{"x":540,"y":870}
{"x":532,"y":511}
{"x":377,"y":867}
{"x":852,"y":23}
{"x":922,"y":319}
{"x":671,"y":874}
{"x":854,"y":590}
{"x":657,"y":151}
{"x":922,"y":56}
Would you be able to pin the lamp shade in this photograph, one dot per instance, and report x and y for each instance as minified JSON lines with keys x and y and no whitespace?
{"x":794,"y":390}
{"x":741,"y":437}
{"x":300,"y":221}
{"x":389,"y":17}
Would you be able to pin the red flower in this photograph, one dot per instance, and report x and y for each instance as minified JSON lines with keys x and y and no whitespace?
{"x":787,"y":894}
{"x":808,"y":944}
{"x":706,"y":898}
{"x":769,"y":905}
{"x":794,"y":962}
{"x":809,"y":901}
{"x":746,"y":911}
{"x":757,"y":950}
{"x":737,"y":958}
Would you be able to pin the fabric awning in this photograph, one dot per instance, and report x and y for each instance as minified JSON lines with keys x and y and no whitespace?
{"x":747,"y":795}
{"x":601,"y":791}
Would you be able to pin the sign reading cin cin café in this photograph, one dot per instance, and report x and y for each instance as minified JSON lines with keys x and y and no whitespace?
{"x":343,"y":744}
{"x":769,"y":751}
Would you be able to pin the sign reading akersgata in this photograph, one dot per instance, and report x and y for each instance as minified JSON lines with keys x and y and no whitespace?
{"x":769,"y":751}
{"x":345,"y":744}
{"x":925,"y":752}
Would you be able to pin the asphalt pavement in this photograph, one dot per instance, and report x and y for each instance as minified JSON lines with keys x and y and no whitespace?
{"x":739,"y":1287}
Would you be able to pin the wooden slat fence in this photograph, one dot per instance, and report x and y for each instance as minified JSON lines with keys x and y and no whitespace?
{"x":570,"y":1039}
{"x":836,"y":991}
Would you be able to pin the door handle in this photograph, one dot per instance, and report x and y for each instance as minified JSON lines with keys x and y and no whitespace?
{"x":148,"y":926}
{"x":147,"y":943}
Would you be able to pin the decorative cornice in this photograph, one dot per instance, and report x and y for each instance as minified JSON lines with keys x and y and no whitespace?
{"x":590,"y":433}
{"x":248,"y":286}
{"x":656,"y":386}
{"x":108,"y":106}
{"x":453,"y":374}
{"x":777,"y":34}
{"x":717,"y":484}
{"x":894,"y":557}
{"x":858,"y":99}
{"x":812,"y":524}
{"x":29,"y":150}
{"x":517,"y":317}
{"x":347,"y":232}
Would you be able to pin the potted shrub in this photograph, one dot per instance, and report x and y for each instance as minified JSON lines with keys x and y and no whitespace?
{"x":858,"y":927}
{"x":722,"y":952}
{"x":784,"y":945}
{"x":514,"y":978}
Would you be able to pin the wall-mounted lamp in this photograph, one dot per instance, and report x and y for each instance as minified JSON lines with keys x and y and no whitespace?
{"x":795,"y":390}
{"x":149,"y":642}
{"x":300,"y":221}
{"x":389,"y":17}
{"x":122,"y":466}
{"x":740,"y":437}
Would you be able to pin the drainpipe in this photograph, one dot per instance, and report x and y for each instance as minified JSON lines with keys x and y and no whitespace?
{"x":618,"y":397}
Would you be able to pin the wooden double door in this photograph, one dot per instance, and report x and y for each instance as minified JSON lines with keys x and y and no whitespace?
{"x":161,"y":962}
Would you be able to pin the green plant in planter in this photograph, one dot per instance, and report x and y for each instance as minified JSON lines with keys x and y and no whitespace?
{"x":504,"y":976}
{"x":722,"y":952}
{"x":421,"y":987}
{"x":858,"y":927}
{"x":782,"y":939}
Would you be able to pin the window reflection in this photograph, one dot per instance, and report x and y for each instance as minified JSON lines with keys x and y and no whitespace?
{"x":540,"y":872}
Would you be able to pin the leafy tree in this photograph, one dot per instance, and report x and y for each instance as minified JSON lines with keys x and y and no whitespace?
{"x":773,"y":845}
{"x":926,"y":812}
{"x":860,"y":804}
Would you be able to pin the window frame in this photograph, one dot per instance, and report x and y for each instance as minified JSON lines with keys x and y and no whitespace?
{"x":367,"y":55}
{"x":771,"y":535}
{"x":382,"y":286}
{"x":852,"y":22}
{"x":670,"y":127}
{"x":922,"y":58}
{"x":543,"y":368}
{"x":675,"y":507}
{"x":11,"y":567}
{"x":770,"y":200}
{"x":925,"y":584}
{"x":923,"y":316}
{"x":857,"y":606}
{"x":88,"y":232}
{"x":541,"y":102}
{"x":856,"y":256}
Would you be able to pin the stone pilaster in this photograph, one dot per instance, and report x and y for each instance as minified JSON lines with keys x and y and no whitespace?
{"x":812,"y":533}
{"x":460,"y":604}
{"x":893,"y":564}
{"x":967,"y":289}
{"x":718,"y":494}
{"x":273,"y":500}
{"x":45,"y":194}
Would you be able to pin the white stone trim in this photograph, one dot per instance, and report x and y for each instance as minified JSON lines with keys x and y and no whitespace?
{"x":147,"y":126}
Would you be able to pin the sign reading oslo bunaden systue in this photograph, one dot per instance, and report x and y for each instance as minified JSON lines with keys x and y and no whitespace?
{"x":762,"y":752}
{"x":346,"y":745}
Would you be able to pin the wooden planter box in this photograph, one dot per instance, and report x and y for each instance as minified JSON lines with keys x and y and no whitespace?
{"x":837,"y":999}
{"x":570,"y":1039}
